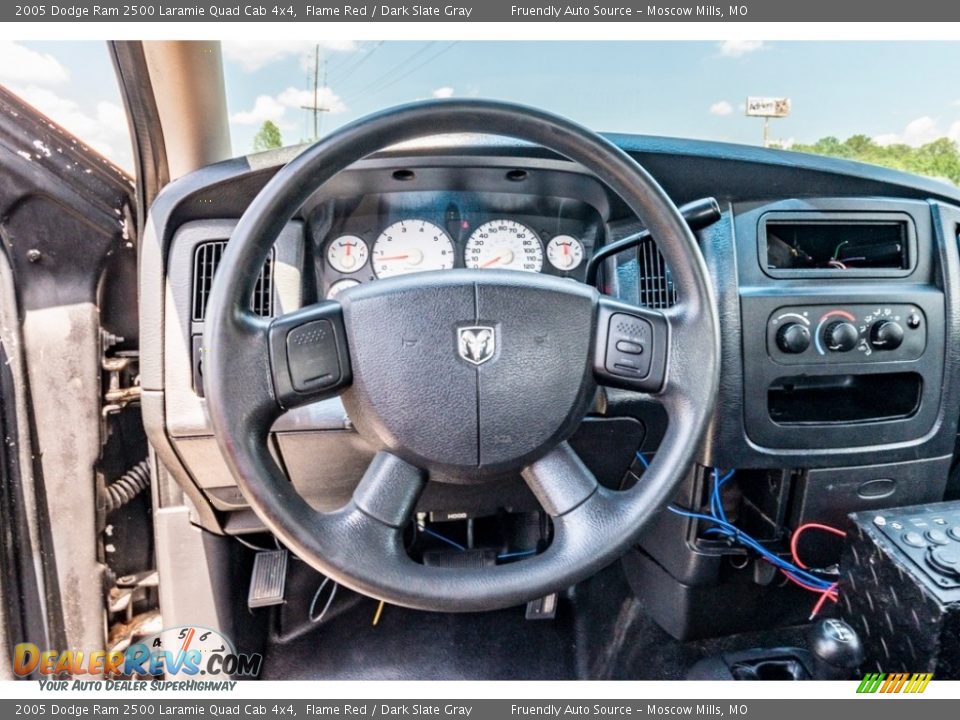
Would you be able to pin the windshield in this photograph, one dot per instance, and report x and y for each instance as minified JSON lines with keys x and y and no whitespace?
{"x":858,"y":100}
{"x":877,"y":102}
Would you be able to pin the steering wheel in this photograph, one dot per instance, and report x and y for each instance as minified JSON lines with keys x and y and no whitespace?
{"x":458,"y":376}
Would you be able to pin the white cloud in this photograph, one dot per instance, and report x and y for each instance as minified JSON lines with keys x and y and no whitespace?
{"x":22,"y":66}
{"x":721,"y":108}
{"x":264,"y":108}
{"x":104,"y":128}
{"x":252,"y":55}
{"x":919,"y":132}
{"x":443,"y":92}
{"x":276,"y":108}
{"x":739,"y":48}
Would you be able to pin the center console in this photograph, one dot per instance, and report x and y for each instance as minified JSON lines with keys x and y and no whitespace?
{"x":838,"y":395}
{"x":843,"y":323}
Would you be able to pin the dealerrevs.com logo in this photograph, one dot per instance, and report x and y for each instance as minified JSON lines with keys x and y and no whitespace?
{"x":888,"y":683}
{"x":178,"y":653}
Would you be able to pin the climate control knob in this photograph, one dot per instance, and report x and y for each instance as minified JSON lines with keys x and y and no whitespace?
{"x":886,"y":335}
{"x":793,"y":338}
{"x":840,"y":337}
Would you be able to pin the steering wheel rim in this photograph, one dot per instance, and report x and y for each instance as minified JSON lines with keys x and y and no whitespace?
{"x":361,"y":545}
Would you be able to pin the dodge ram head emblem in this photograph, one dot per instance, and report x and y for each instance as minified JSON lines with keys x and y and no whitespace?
{"x":476,"y":344}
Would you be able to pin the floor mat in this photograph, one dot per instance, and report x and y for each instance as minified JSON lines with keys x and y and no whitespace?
{"x":600,"y":632}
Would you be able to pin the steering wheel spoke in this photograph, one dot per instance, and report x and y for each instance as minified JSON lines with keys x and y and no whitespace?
{"x":560,"y":481}
{"x":389,"y":490}
{"x":632,"y":346}
{"x":308,"y":354}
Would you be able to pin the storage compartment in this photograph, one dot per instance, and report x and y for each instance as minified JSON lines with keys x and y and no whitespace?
{"x":824,"y":244}
{"x":843,"y":399}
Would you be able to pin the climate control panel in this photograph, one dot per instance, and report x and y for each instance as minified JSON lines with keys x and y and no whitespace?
{"x":854,"y":333}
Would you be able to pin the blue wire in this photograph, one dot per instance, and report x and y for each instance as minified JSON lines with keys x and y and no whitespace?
{"x":445,"y":539}
{"x":716,"y":501}
{"x":518,"y":553}
{"x":643,"y":460}
{"x":746,"y":540}
{"x":461,"y":548}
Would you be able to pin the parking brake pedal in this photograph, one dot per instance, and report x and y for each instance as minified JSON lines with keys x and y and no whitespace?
{"x":544,"y":608}
{"x":269,"y":578}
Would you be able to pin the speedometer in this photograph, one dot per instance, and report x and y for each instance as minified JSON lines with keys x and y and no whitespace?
{"x":410,"y":246}
{"x":504,"y":244}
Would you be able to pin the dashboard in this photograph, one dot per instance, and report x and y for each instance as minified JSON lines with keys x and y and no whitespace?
{"x":378,"y":235}
{"x":838,"y":287}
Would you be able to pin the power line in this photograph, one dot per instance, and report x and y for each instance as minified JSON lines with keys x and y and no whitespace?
{"x":388,"y":77}
{"x":423,"y":64}
{"x":343,"y":72}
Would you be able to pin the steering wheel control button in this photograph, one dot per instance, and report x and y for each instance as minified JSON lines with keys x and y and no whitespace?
{"x":840,"y":337}
{"x":627,"y":338}
{"x":793,"y":338}
{"x":630,"y":348}
{"x":937,"y":537}
{"x":914,"y":539}
{"x":312,"y":356}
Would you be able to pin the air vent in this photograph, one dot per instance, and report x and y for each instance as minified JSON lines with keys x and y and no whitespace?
{"x":206,"y":259}
{"x":655,"y":281}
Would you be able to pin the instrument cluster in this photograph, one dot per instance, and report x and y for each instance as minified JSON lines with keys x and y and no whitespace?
{"x":400,"y":240}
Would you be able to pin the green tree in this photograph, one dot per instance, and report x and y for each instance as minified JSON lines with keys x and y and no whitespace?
{"x":267,"y":137}
{"x":938,"y":159}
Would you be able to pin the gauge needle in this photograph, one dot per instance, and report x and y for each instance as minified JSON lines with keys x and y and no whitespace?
{"x":395,"y":257}
{"x":504,"y":257}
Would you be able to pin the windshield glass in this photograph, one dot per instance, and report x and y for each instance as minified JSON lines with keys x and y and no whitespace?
{"x":877,"y":102}
{"x":857,"y":100}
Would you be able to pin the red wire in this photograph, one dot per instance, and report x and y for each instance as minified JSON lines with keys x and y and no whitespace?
{"x":800,"y":583}
{"x":828,"y":593}
{"x":802,"y":529}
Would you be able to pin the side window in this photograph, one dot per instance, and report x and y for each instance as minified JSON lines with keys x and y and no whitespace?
{"x":73,"y":84}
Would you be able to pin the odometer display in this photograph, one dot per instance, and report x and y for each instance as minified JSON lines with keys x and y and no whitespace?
{"x":504,"y":245}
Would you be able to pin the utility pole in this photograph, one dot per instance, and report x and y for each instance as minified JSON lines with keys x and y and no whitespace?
{"x":315,"y":107}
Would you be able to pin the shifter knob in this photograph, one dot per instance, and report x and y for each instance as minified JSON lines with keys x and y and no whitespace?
{"x":836,"y":649}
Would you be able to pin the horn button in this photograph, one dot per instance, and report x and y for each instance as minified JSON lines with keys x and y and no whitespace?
{"x":469,"y":374}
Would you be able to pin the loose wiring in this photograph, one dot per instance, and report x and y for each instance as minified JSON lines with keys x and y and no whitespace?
{"x":795,"y":538}
{"x":737,"y":535}
{"x":643,"y":460}
{"x":443,"y":538}
{"x":453,"y":543}
{"x":316,"y":596}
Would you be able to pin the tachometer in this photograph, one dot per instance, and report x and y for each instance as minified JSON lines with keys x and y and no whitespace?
{"x":504,"y":244}
{"x":564,"y":252}
{"x":410,"y":246}
{"x":347,"y":254}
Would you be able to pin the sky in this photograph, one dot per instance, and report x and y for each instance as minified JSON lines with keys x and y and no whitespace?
{"x":892,"y":92}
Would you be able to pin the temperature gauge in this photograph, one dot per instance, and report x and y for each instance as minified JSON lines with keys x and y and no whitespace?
{"x":347,"y":254}
{"x":565,"y":252}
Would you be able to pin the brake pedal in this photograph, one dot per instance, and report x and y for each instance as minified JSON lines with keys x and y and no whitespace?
{"x":269,"y":578}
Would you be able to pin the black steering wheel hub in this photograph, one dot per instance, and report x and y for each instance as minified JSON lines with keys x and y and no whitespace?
{"x":469,"y":374}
